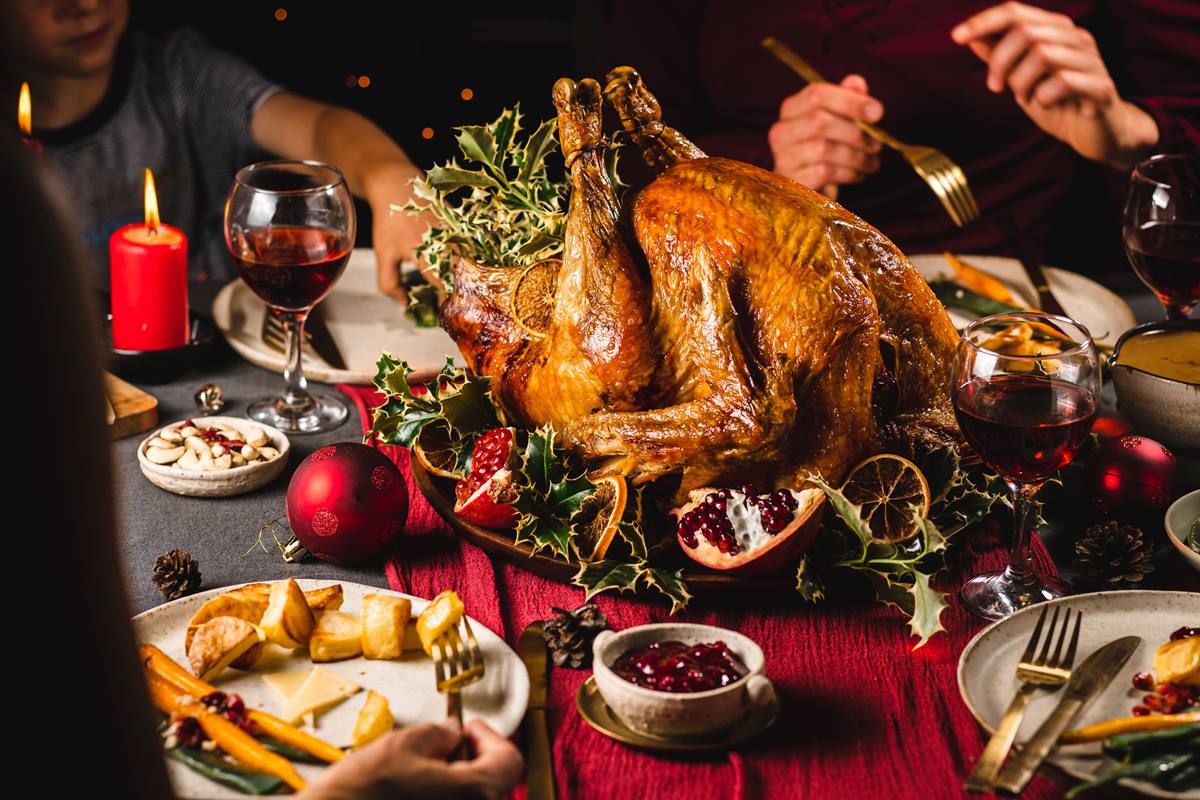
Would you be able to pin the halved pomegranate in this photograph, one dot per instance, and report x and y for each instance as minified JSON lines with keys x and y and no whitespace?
{"x":483,"y":496}
{"x":747,"y":531}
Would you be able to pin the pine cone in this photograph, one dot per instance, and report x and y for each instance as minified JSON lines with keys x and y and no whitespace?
{"x":570,"y":635}
{"x":1110,"y":557}
{"x":176,"y":574}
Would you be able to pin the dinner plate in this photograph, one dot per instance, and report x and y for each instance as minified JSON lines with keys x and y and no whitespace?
{"x":408,"y":683}
{"x":1101,"y":311}
{"x":987,"y":668}
{"x":361,"y":321}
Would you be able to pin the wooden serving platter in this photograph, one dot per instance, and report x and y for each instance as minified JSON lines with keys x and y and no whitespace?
{"x":701,"y":582}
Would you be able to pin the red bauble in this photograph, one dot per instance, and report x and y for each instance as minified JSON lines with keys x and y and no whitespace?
{"x":346,"y":503}
{"x":1129,"y":476}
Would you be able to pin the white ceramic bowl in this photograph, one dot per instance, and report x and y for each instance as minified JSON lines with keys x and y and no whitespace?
{"x":1166,"y":410}
{"x":217,"y":483}
{"x":1178,"y":522}
{"x":667,"y":715}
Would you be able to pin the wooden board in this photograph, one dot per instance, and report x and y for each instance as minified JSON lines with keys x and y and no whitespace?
{"x":701,"y":582}
{"x":133,"y":411}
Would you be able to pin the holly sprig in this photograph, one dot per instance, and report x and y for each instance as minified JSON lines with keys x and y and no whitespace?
{"x":901,"y":572}
{"x":500,"y":205}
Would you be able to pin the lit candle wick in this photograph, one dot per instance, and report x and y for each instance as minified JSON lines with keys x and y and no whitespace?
{"x":151,"y":201}
{"x":25,"y":112}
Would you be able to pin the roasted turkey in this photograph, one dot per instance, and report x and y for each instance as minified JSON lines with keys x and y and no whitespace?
{"x":733,"y":326}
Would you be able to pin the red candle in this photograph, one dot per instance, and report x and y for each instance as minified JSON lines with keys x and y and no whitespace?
{"x":25,"y":121}
{"x":148,"y":276}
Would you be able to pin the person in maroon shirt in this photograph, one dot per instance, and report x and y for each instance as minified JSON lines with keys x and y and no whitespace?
{"x":1045,"y":109}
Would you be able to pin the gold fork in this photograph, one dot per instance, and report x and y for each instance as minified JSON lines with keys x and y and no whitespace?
{"x":943,"y":176}
{"x":458,"y":664}
{"x":1034,"y":673}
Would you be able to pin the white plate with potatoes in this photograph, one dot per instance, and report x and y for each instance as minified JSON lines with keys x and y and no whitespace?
{"x":407,"y":682}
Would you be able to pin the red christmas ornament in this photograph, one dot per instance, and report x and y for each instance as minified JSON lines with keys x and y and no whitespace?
{"x":1130,"y":476}
{"x":346,"y":503}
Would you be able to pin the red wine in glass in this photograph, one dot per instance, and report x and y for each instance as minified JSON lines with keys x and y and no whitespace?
{"x":290,"y":267}
{"x":1166,"y":256}
{"x":1025,"y":428}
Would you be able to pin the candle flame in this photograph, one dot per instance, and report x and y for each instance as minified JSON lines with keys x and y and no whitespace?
{"x":24,"y":113}
{"x":152,"y":220}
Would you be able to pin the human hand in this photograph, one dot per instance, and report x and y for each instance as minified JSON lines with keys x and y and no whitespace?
{"x":411,"y":763}
{"x":396,"y":234}
{"x":1058,"y":78}
{"x":815,"y":141}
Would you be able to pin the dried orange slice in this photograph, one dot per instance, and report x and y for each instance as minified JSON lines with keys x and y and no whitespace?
{"x":435,"y":451}
{"x":887,"y":487}
{"x":533,"y":296}
{"x":594,"y":525}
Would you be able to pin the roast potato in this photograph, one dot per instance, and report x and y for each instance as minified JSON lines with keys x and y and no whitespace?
{"x":288,"y":621}
{"x":384,"y":620}
{"x":374,"y":720}
{"x":337,"y":636}
{"x":218,"y":642}
{"x":228,"y":605}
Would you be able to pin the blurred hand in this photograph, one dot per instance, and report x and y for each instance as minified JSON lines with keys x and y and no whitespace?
{"x":395,"y":234}
{"x":815,"y":141}
{"x":1058,"y":78}
{"x":411,"y":763}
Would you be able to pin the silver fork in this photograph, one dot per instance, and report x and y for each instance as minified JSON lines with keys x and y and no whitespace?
{"x":1041,"y":672}
{"x":943,"y":176}
{"x":458,"y":664}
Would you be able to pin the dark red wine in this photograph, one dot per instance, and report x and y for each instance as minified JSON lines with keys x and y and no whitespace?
{"x":1166,"y":256}
{"x":290,"y":267}
{"x":1024,"y":428}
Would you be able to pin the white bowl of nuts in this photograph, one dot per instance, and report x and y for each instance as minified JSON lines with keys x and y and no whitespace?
{"x":213,"y":456}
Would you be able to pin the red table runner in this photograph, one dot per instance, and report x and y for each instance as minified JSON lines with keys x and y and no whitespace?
{"x":863,"y":715}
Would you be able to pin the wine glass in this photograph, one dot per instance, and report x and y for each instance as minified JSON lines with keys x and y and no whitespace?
{"x":1026,"y":416}
{"x":289,"y":226}
{"x":1162,"y":230}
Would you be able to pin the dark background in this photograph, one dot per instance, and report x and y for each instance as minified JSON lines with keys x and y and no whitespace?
{"x":419,"y":57}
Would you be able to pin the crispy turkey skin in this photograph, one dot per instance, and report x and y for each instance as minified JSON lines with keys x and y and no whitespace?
{"x":767,"y":332}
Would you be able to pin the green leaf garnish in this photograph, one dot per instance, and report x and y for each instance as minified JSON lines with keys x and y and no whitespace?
{"x":499,"y":206}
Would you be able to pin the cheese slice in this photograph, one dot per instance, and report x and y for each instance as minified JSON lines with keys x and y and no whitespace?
{"x":285,"y":684}
{"x":320,"y":690}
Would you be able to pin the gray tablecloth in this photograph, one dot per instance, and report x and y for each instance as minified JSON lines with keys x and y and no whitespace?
{"x":222,"y":532}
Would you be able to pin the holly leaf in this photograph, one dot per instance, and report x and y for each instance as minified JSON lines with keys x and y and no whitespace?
{"x":540,"y":143}
{"x":808,"y":582}
{"x":671,"y":584}
{"x":928,"y":605}
{"x":452,"y":177}
{"x":544,"y":533}
{"x":542,"y":465}
{"x":848,"y":512}
{"x":477,"y":143}
{"x":605,"y":576}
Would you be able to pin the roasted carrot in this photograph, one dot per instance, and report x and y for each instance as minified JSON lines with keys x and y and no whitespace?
{"x":1115,"y":727}
{"x":979,"y":281}
{"x":159,"y":663}
{"x":243,"y":747}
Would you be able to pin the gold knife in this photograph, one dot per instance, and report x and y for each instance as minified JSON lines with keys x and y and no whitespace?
{"x":539,"y":770}
{"x":1086,"y":682}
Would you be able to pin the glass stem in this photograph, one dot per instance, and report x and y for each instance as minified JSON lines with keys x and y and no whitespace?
{"x":1020,"y":565}
{"x":296,"y":397}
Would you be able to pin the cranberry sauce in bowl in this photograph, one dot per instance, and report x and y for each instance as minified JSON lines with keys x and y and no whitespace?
{"x":680,"y":679}
{"x":672,"y":666}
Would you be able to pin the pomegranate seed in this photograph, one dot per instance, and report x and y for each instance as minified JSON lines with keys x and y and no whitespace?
{"x":1143,"y":681}
{"x":1184,"y":632}
{"x":1141,"y":711}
